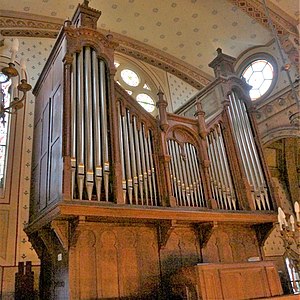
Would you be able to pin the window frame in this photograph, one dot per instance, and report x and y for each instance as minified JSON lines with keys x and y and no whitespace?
{"x":144,"y":78}
{"x":260,"y":56}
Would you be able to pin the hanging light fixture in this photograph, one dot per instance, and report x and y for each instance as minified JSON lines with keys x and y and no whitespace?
{"x":11,"y":73}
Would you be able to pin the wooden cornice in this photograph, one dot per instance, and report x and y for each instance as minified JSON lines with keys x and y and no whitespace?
{"x":255,"y":10}
{"x":124,"y":213}
{"x":30,"y":25}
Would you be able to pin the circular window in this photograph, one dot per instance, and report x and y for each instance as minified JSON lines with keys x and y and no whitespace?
{"x":259,"y":74}
{"x":146,"y":101}
{"x":130,"y":77}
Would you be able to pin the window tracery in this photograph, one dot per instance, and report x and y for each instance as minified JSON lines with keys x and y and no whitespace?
{"x":137,"y":84}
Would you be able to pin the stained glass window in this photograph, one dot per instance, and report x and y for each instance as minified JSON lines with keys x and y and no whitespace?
{"x":5,"y":95}
{"x":259,"y":74}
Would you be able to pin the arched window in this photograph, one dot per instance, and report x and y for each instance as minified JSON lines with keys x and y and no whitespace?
{"x":137,"y":83}
{"x":5,"y":84}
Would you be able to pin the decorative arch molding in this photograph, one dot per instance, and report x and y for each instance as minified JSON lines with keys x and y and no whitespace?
{"x":29,"y":25}
{"x":279,"y":133}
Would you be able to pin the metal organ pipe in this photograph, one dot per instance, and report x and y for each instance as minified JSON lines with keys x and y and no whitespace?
{"x":186,"y":178}
{"x":239,"y":137}
{"x":256,"y":161}
{"x":212,"y":173}
{"x":89,"y":127}
{"x":249,"y":153}
{"x":104,"y":127}
{"x":148,"y":170}
{"x":88,"y":123}
{"x":227,"y":170}
{"x":97,"y":127}
{"x":73,"y":122}
{"x":121,"y":134}
{"x":127,"y":158}
{"x":218,"y":183}
{"x":80,"y":126}
{"x":173,"y":173}
{"x":138,"y":159}
{"x":132,"y":156}
{"x":152,"y":168}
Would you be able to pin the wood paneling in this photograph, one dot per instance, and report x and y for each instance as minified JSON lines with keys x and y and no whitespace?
{"x":114,"y":261}
{"x":4,"y":222}
{"x":229,"y":281}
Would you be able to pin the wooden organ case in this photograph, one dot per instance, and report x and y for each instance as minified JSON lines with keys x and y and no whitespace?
{"x":122,"y":202}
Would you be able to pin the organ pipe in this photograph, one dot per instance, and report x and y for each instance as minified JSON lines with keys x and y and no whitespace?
{"x":152,"y":168}
{"x":80,"y":127}
{"x":187,"y":185}
{"x":89,"y":126}
{"x":73,"y":123}
{"x":138,"y":159}
{"x":251,"y":162}
{"x":121,"y":134}
{"x":88,"y":123}
{"x":97,"y":127}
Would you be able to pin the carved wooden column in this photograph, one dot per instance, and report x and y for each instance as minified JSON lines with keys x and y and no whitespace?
{"x":116,"y":155}
{"x":66,"y":147}
{"x":167,"y":198}
{"x":200,"y":114}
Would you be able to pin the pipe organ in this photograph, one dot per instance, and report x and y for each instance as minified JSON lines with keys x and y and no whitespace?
{"x":90,"y":156}
{"x":219,"y":172}
{"x":138,"y":168}
{"x":185,"y":175}
{"x":121,"y":200}
{"x":243,"y":136}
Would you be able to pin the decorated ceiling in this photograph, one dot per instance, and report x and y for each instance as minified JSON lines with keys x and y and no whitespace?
{"x":188,"y":30}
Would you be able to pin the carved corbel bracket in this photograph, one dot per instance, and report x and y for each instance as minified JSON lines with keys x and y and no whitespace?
{"x":262,"y":232}
{"x":165,"y":229}
{"x":61,"y":229}
{"x":205,"y":231}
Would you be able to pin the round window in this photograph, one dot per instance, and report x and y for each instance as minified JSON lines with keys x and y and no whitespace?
{"x":146,"y":101}
{"x":259,"y":74}
{"x":130,"y":77}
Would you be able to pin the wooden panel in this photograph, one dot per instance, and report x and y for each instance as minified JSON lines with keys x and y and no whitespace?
{"x":37,"y":143}
{"x":231,"y":281}
{"x":35,"y":189}
{"x":122,"y":261}
{"x":181,"y":249}
{"x":274,"y":281}
{"x":56,"y":114}
{"x":107,"y":260}
{"x":4,"y":222}
{"x":43,"y":195}
{"x":129,"y":283}
{"x":231,"y":244}
{"x":87,"y":267}
{"x":45,"y":129}
{"x":55,"y":174}
{"x":227,"y":279}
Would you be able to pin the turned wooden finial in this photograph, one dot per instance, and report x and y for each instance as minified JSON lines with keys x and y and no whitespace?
{"x":162,"y":104}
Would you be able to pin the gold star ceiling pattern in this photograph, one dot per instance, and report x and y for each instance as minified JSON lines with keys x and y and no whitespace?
{"x":190,"y":30}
